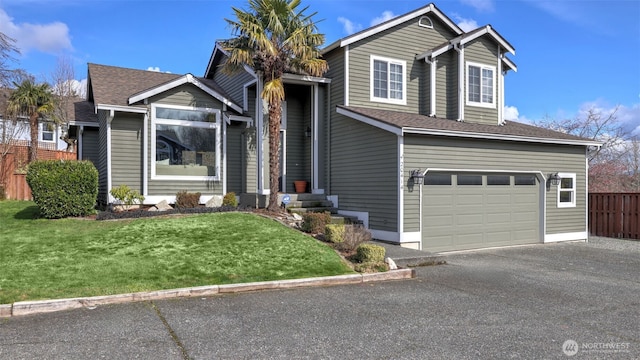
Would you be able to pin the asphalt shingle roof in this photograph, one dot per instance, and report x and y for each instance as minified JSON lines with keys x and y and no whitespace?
{"x":406,"y":121}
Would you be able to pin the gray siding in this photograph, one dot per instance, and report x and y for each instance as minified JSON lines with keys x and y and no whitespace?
{"x":249,"y":148}
{"x":364,"y":171}
{"x":447,"y":85}
{"x":187,"y":95}
{"x":126,"y":150}
{"x":483,"y":51}
{"x":335,"y":60}
{"x":431,"y":152}
{"x":90,"y":145}
{"x":402,"y":42}
{"x":234,"y":157}
{"x":103,"y":181}
{"x":234,"y":84}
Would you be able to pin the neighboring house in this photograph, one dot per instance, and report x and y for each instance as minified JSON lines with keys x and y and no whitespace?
{"x":413,"y":100}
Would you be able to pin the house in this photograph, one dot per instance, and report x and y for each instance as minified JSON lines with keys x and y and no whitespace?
{"x":405,"y":131}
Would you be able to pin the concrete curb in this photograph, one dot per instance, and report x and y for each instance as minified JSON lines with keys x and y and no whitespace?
{"x":46,"y":306}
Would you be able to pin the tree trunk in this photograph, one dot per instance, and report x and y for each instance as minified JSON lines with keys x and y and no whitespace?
{"x":275,"y":111}
{"x":33,"y":129}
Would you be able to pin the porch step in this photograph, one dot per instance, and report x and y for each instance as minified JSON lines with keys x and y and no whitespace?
{"x":302,"y":197}
{"x":344,"y":219}
{"x":301,"y":210}
{"x":309,"y":203}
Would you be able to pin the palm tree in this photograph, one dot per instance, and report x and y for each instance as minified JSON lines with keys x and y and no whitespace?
{"x":274,"y":38}
{"x":34,"y":101}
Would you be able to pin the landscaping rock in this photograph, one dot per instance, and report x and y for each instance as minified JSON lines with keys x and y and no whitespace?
{"x":296,"y":216}
{"x":215,"y":201}
{"x":161,"y":206}
{"x":391,"y":263}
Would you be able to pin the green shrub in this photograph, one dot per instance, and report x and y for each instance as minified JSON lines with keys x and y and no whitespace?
{"x":334,"y":233}
{"x":3,"y":196}
{"x":315,"y":222}
{"x":62,"y":188}
{"x":354,"y":235}
{"x":186,"y":200}
{"x":370,"y":253}
{"x":126,"y":196}
{"x":230,"y":199}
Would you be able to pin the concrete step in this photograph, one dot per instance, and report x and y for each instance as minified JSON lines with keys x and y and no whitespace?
{"x":309,"y":203}
{"x":303,"y":197}
{"x":301,"y":210}
{"x":344,"y":219}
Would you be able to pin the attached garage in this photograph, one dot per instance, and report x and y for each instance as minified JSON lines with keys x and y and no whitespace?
{"x":462,"y":210}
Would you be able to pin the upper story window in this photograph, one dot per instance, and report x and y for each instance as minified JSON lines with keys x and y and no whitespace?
{"x":567,"y":190}
{"x":388,"y":80}
{"x":481,"y":80}
{"x":185,"y":143}
{"x":47,"y":131}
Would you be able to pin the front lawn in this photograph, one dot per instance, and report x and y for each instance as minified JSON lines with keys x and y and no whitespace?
{"x":48,"y":259}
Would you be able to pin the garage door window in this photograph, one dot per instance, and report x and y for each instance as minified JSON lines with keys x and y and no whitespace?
{"x":498,"y":180}
{"x":437,"y":179}
{"x":469,"y":179}
{"x":567,"y":190}
{"x":525,"y":180}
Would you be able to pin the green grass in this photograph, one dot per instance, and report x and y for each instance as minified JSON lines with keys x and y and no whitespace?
{"x":48,"y":259}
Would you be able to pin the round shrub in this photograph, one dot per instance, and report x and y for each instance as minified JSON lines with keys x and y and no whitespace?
{"x":370,"y":253}
{"x":62,"y":188}
{"x":230,"y":199}
{"x":334,"y":233}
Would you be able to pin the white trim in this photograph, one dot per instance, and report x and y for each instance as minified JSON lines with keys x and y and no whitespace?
{"x":433,"y":63}
{"x":245,"y":94}
{"x":317,"y":191}
{"x":84,"y":123}
{"x":224,"y":157}
{"x":428,"y":26}
{"x":491,"y":105}
{"x":396,"y":237}
{"x":400,"y":185}
{"x":259,"y":139}
{"x":216,"y":126}
{"x":289,"y":78}
{"x":361,"y":215}
{"x":145,"y":155}
{"x":573,"y":190}
{"x":217,"y":48}
{"x":489,"y":30}
{"x":315,"y":179}
{"x":370,"y":121}
{"x":80,"y":142}
{"x":509,"y":63}
{"x":346,"y":76}
{"x":186,"y":79}
{"x":109,"y":119}
{"x":283,"y":146}
{"x":411,"y":130}
{"x":131,"y":109}
{"x":586,"y":195}
{"x":500,"y":91}
{"x":433,"y":53}
{"x":397,"y":21}
{"x":461,"y":81}
{"x":411,"y":237}
{"x":573,"y":236}
{"x":334,"y":200}
{"x":389,"y":61}
{"x":238,"y":118}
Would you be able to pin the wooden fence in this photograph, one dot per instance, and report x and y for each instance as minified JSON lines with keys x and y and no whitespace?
{"x":615,"y":215}
{"x":12,"y":167}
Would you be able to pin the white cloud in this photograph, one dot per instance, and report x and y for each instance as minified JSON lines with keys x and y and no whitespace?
{"x":480,"y":5}
{"x":386,"y":15}
{"x":465,"y":24}
{"x":80,"y":87}
{"x":349,"y":26}
{"x":49,"y":38}
{"x":511,"y":113}
{"x":153,"y":68}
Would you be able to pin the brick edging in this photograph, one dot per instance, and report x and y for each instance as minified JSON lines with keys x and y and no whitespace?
{"x":22,"y":308}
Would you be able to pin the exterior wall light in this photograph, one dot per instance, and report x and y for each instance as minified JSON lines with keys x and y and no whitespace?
{"x":554,"y":179}
{"x":417,"y":176}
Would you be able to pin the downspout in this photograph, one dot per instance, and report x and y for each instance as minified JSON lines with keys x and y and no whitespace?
{"x":145,"y":155}
{"x":460,"y":51}
{"x":109,"y":181}
{"x":433,"y":62}
{"x":259,"y":137}
{"x":501,"y":73}
{"x":328,"y":155}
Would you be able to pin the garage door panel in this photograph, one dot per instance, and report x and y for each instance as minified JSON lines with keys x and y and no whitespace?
{"x":477,"y":216}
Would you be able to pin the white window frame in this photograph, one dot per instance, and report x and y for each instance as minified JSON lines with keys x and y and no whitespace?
{"x":206,"y":125}
{"x":389,"y":61}
{"x":428,"y":23}
{"x":572,"y":190}
{"x":492,"y":104}
{"x":41,"y":127}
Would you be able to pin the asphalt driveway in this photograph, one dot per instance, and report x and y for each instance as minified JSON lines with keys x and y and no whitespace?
{"x":525,"y":302}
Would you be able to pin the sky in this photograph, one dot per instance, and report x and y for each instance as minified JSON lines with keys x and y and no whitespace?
{"x":571,"y":55}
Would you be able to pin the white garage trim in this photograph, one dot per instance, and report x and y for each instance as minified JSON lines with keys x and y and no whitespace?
{"x":580,"y":235}
{"x":542,"y":180}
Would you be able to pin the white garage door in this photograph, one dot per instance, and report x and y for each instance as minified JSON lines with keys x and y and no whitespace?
{"x":469,"y":211}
